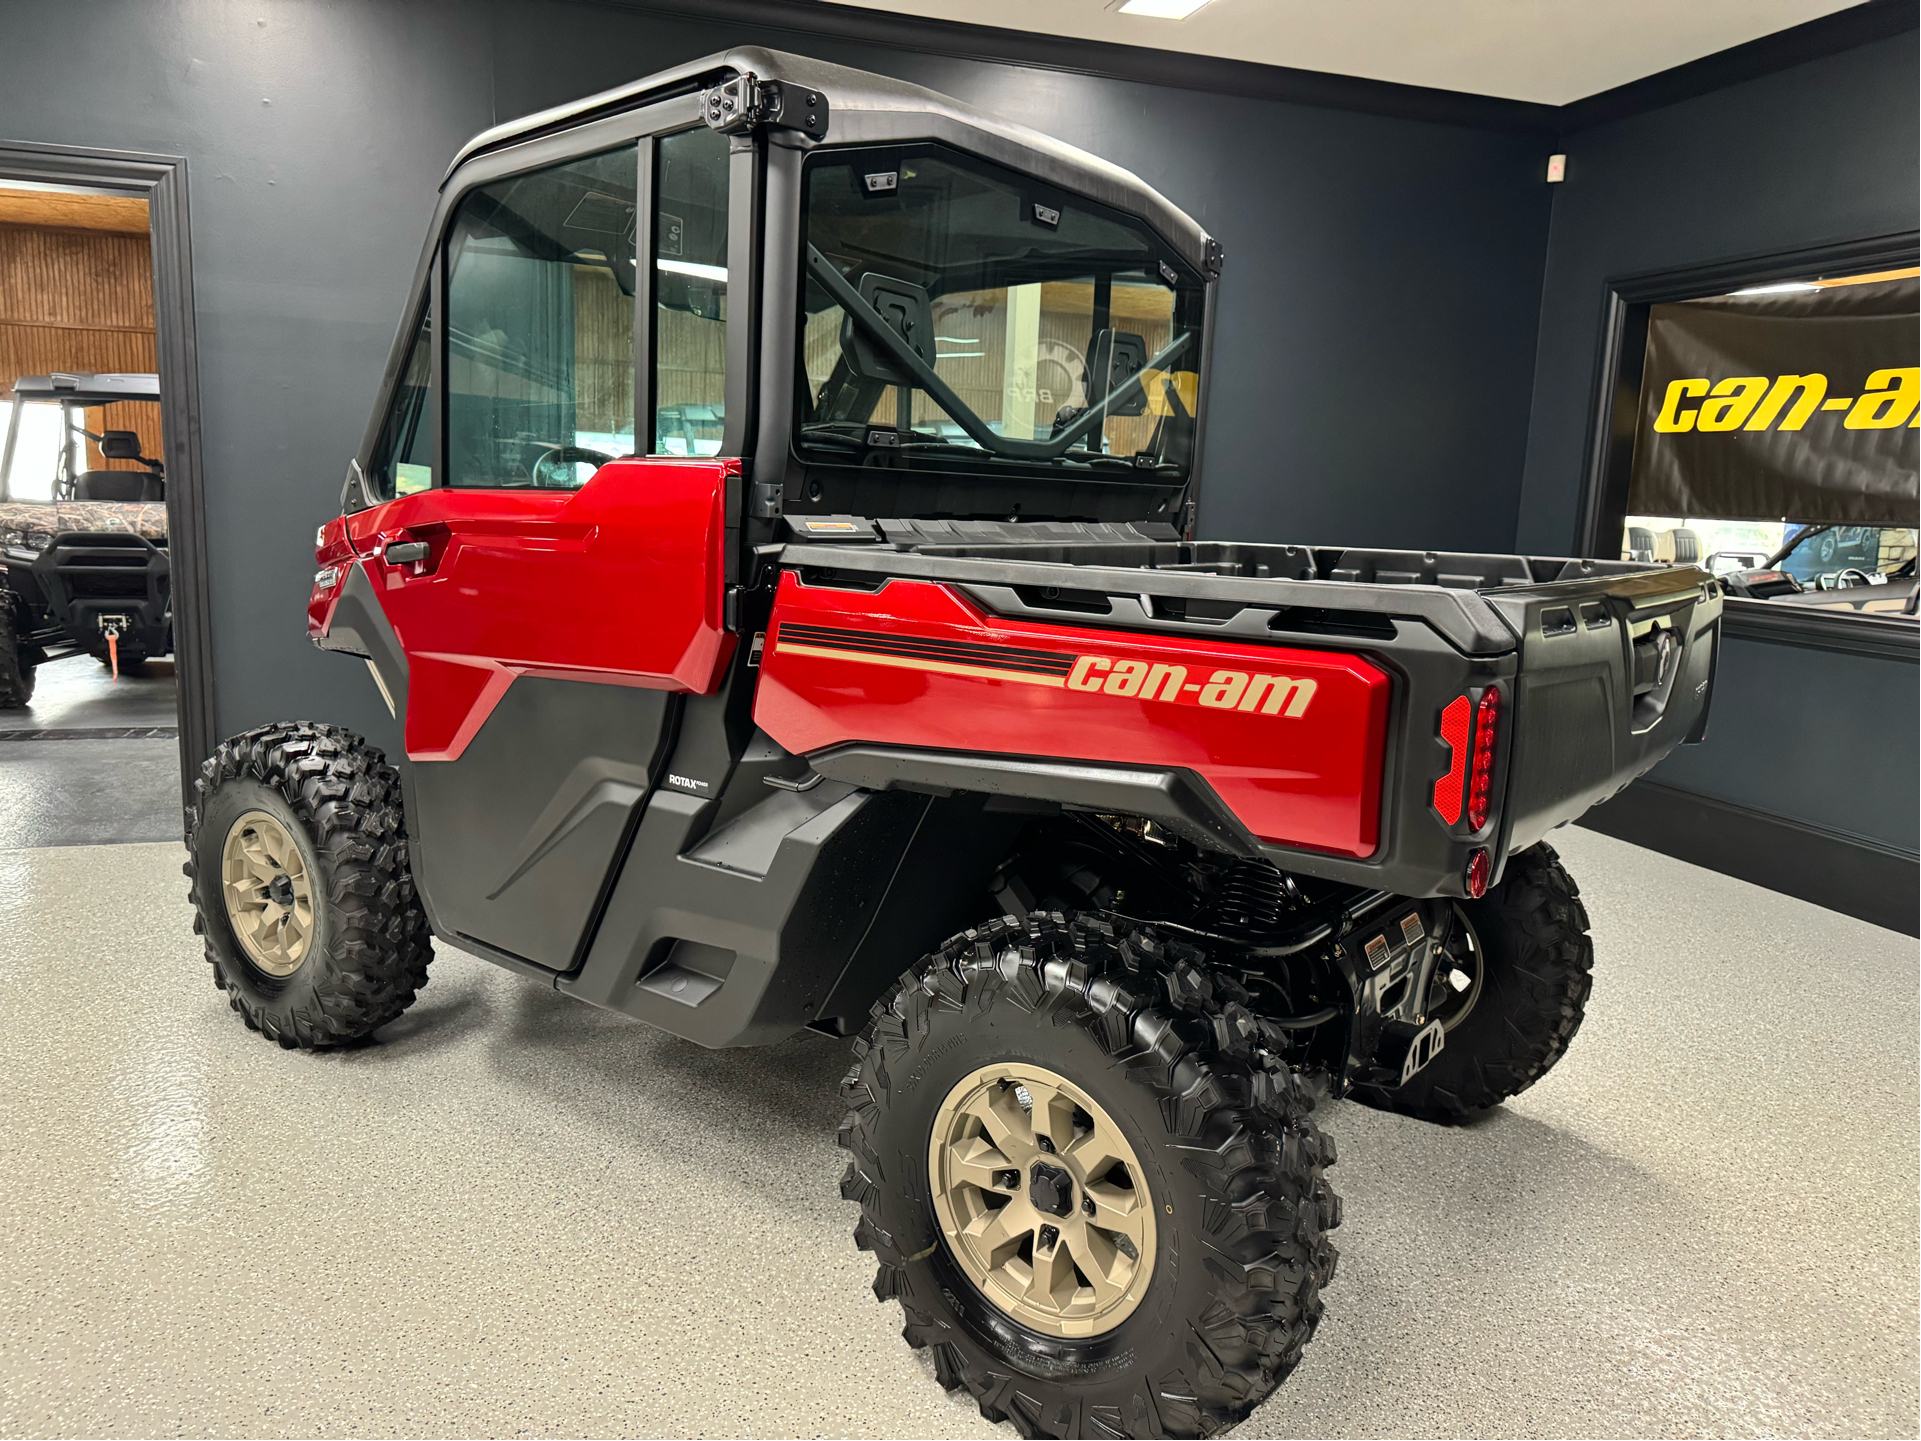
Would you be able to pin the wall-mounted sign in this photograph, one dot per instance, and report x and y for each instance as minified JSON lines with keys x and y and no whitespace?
{"x":1800,"y":405}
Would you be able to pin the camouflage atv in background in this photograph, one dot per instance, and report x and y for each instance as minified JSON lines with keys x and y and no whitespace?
{"x":31,"y":524}
{"x":53,"y":598}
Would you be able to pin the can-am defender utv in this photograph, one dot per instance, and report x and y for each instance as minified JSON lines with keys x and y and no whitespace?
{"x":84,"y":566}
{"x":892,"y":701}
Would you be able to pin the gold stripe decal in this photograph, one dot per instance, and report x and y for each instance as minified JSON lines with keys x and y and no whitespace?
{"x":1212,"y":688}
{"x":908,"y":663}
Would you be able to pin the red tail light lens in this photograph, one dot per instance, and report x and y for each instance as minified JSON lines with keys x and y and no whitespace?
{"x":1447,"y":790}
{"x":1480,"y":784}
{"x":1478,"y":870}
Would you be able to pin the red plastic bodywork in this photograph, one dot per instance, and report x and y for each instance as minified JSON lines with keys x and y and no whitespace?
{"x":916,"y":664}
{"x":619,"y":582}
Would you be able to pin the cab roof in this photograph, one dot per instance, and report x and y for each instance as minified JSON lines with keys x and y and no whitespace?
{"x":869,"y":109}
{"x":94,"y":389}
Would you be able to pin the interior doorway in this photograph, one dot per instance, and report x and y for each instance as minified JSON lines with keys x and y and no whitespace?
{"x":105,"y":700}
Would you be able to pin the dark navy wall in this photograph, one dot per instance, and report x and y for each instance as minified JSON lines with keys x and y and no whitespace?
{"x":1819,"y":738}
{"x":1373,"y":364}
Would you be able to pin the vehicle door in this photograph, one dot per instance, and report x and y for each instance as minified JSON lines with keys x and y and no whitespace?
{"x":553,"y":574}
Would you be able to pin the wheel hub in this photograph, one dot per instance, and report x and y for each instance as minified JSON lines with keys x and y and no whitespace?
{"x":1041,"y":1200}
{"x":1457,"y":975}
{"x":1051,"y":1190}
{"x":269,"y":896}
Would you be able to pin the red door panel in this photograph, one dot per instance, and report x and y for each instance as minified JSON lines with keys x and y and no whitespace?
{"x":619,"y":582}
{"x":1292,"y":740}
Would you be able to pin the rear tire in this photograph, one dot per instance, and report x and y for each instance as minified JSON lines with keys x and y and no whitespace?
{"x":1225,"y":1289}
{"x":336,"y":945}
{"x":1537,"y":963}
{"x":16,"y":671}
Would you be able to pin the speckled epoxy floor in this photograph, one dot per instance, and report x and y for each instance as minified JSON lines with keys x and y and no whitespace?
{"x":84,"y":790}
{"x":515,"y":1215}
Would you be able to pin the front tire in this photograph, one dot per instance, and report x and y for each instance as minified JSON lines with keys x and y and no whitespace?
{"x":1533,"y":961}
{"x":298,"y":856}
{"x":16,"y":671}
{"x":1166,"y":1134}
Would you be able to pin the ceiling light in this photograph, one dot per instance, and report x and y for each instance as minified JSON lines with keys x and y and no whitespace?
{"x":1785,"y":287}
{"x":1162,"y":9}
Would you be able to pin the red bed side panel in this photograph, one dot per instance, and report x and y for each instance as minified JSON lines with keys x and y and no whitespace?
{"x":1292,"y":740}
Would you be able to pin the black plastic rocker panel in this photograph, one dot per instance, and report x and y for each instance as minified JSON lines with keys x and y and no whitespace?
{"x":517,"y":836}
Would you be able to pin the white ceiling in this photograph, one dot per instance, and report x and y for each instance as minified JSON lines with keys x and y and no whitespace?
{"x":1551,"y":51}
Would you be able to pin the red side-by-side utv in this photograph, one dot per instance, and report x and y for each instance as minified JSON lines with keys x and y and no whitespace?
{"x":774,"y":539}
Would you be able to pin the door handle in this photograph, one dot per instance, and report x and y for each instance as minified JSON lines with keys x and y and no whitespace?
{"x":406,"y":552}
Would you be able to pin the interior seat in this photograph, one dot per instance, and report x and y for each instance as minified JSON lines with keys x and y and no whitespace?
{"x":119,"y":485}
{"x":1679,"y":546}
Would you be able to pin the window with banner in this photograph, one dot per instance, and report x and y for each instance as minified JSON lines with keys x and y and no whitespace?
{"x":1775,"y":441}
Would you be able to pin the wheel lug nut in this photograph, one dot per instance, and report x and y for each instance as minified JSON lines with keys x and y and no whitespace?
{"x":1087,"y":1204}
{"x":1007,"y":1180}
{"x":1049,"y":1235}
{"x":1045,"y":1143}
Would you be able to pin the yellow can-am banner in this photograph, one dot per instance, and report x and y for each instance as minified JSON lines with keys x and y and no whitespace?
{"x":1803,"y":405}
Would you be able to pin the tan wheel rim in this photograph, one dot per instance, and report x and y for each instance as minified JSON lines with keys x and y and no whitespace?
{"x":1042,"y":1200}
{"x":269,"y":896}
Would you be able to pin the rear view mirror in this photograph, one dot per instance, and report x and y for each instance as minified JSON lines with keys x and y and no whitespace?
{"x":120,"y":445}
{"x":908,"y":312}
{"x":1119,"y":357}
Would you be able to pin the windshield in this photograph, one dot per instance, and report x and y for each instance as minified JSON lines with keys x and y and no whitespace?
{"x":87,"y":449}
{"x":959,"y":314}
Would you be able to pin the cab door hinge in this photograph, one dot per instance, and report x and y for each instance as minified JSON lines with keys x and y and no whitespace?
{"x":745,"y":103}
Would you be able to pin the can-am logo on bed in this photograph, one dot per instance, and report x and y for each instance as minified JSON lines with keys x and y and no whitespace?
{"x":1222,"y":690}
{"x":1210,"y":686}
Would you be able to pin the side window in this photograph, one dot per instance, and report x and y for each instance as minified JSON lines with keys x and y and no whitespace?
{"x":540,"y":326}
{"x":690,"y":293}
{"x":403,"y":460}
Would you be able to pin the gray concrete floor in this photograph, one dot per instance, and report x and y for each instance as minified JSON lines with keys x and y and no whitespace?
{"x":89,"y":786}
{"x":513,"y":1215}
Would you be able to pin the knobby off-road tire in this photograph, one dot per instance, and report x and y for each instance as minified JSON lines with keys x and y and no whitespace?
{"x":1232,"y":1168}
{"x":364,"y":947}
{"x":16,"y":675}
{"x":1537,"y":964}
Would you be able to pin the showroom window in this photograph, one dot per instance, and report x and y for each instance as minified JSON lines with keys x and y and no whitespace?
{"x":540,"y":325}
{"x":1775,"y":431}
{"x":690,"y":293}
{"x":403,"y":460}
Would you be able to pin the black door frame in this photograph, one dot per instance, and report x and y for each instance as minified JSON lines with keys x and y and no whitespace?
{"x":162,"y":181}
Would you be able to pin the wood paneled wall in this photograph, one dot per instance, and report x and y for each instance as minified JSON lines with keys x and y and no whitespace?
{"x":79,"y":300}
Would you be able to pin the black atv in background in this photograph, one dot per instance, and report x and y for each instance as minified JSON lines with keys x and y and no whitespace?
{"x":86,"y":567}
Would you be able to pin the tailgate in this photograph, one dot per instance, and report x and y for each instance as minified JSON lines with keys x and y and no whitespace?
{"x":1615,"y":672}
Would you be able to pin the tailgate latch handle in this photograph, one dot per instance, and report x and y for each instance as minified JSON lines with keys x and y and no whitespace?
{"x":406,"y":552}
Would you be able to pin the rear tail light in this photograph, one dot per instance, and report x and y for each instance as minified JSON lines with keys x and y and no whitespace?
{"x":1478,"y":869}
{"x":1448,"y":789}
{"x":1480,"y":785}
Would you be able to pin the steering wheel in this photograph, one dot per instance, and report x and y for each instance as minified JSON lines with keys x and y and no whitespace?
{"x":547,"y":473}
{"x":1841,"y":581}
